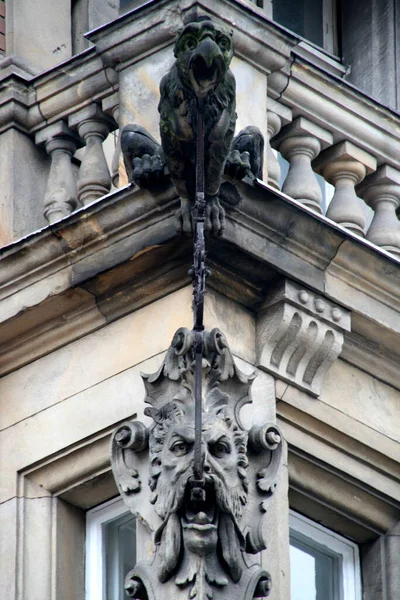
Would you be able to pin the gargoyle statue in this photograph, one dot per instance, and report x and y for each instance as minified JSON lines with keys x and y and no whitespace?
{"x":205,"y":546}
{"x":199,"y":79}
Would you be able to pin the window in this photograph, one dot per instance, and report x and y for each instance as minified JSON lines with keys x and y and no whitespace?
{"x":323,"y":565}
{"x":313,"y":20}
{"x":110,"y":550}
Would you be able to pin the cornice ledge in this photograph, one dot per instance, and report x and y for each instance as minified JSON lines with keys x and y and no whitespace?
{"x":267,"y":227}
{"x":30,"y":103}
{"x":283,"y":233}
{"x":70,"y":86}
{"x":367,"y":281}
{"x":379,"y":359}
{"x":318,"y":253}
{"x":72,"y":250}
{"x":340,"y":108}
{"x":126,"y":40}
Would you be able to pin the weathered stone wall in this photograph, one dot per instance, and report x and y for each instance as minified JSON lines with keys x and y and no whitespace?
{"x":68,"y":399}
{"x":57,"y":414}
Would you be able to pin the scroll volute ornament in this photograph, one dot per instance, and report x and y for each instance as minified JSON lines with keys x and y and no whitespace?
{"x":204,"y":547}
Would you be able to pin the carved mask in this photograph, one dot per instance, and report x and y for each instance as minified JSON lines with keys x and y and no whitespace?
{"x":201,"y":540}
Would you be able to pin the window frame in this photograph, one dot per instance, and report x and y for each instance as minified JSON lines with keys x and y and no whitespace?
{"x":336,"y":544}
{"x":330,"y":41}
{"x":95,"y":551}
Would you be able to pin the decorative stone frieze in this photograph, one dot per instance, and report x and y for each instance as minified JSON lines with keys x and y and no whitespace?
{"x":299,"y":335}
{"x":344,"y":166}
{"x":206,"y":531}
{"x":278,"y":115}
{"x":300,"y":142}
{"x":381,"y":191}
{"x":61,"y":194}
{"x":93,"y":126}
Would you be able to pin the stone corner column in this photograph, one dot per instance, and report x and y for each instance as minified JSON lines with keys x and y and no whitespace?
{"x":299,"y":334}
{"x":380,"y":566}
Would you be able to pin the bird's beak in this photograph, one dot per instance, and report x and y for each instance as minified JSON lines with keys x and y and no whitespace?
{"x":206,"y":68}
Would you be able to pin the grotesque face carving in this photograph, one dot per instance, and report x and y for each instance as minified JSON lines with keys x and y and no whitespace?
{"x":172,"y":460}
{"x":199,"y":523}
{"x":200,"y":545}
{"x":204,"y":51}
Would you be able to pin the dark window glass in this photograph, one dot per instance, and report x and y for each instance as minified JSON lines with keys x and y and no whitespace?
{"x":304,"y":17}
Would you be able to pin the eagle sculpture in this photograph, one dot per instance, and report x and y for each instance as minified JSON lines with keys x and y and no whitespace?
{"x":200,"y":78}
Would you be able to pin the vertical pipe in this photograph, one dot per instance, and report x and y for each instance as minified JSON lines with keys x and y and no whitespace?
{"x":199,"y":290}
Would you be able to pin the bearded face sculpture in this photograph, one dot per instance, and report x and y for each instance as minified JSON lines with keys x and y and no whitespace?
{"x":206,"y":532}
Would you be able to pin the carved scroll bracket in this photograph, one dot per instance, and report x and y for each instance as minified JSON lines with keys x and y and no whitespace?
{"x":299,"y":335}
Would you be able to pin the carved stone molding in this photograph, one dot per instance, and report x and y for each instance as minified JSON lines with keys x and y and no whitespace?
{"x":299,"y":335}
{"x":206,"y":531}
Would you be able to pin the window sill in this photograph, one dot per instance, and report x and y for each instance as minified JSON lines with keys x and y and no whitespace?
{"x":320,"y":59}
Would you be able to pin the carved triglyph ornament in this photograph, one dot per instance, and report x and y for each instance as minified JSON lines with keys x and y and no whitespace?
{"x":206,"y":536}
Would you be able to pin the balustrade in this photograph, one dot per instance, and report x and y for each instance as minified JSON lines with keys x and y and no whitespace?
{"x":300,"y":142}
{"x":93,"y":126}
{"x":61,"y":192}
{"x":344,"y":166}
{"x":381,"y":191}
{"x":110,"y":106}
{"x":335,"y":132}
{"x":277,"y":116}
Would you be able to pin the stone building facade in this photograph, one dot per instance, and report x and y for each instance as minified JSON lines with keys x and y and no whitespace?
{"x":93,"y":275}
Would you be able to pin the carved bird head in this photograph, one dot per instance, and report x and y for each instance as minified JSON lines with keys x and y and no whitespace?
{"x":203,"y":51}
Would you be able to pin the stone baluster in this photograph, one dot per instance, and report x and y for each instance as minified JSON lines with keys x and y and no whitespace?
{"x":110,"y":106}
{"x":277,"y":116}
{"x":300,"y":142}
{"x":381,"y":191}
{"x":93,"y":126}
{"x":60,"y":198}
{"x":344,"y":166}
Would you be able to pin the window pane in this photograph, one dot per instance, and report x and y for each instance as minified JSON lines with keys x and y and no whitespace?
{"x":119,"y":541}
{"x":302,"y":575}
{"x":304,"y":17}
{"x":315,"y":569}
